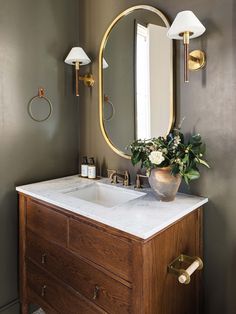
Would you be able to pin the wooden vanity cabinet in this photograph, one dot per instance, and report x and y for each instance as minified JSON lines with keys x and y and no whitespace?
{"x":73,"y":265}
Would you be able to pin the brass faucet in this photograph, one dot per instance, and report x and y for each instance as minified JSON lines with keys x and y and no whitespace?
{"x":115,"y":175}
{"x":138,"y":181}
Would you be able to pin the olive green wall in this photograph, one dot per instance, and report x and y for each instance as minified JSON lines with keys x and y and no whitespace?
{"x":208,"y":103}
{"x":35,"y":38}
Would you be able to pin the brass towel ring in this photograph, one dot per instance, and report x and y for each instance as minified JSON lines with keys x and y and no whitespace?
{"x":41,"y":94}
{"x":107,"y":101}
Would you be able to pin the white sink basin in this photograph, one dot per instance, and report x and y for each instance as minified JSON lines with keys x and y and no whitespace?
{"x":103,"y":194}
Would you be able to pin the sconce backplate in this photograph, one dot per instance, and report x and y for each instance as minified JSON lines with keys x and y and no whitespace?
{"x":197,"y":60}
{"x":88,"y":80}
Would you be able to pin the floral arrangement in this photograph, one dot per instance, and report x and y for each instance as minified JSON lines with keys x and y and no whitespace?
{"x":171,"y":151}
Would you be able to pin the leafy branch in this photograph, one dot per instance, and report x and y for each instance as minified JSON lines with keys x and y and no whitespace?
{"x":172,"y":151}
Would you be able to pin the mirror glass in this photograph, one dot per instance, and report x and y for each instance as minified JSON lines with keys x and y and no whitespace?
{"x":136,"y":78}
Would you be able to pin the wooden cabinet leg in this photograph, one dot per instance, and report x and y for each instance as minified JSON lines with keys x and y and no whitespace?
{"x":22,"y":249}
{"x":24,"y":308}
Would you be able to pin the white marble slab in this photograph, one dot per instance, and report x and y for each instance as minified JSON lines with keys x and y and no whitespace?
{"x":142,"y":217}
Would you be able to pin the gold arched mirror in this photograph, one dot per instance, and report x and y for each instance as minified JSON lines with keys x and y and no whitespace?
{"x":136,"y":78}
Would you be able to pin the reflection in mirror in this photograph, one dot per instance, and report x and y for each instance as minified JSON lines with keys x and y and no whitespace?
{"x":152,"y":81}
{"x":136,"y":92}
{"x":142,"y":83}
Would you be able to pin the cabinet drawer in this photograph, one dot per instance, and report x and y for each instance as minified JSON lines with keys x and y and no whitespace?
{"x":86,"y":279}
{"x":102,"y":248}
{"x":46,"y":222}
{"x":56,"y":295}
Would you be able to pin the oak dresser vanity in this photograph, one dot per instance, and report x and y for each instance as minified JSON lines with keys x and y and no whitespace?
{"x":79,"y":257}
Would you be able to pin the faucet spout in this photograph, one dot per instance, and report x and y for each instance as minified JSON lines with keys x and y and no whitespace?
{"x":124,"y":176}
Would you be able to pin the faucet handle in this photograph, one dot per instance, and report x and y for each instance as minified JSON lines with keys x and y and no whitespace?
{"x":138,"y":181}
{"x":126,"y":181}
{"x":110,"y":172}
{"x":112,"y":175}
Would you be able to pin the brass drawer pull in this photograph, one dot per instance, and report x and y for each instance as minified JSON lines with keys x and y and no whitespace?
{"x":43,"y":290}
{"x":43,"y":258}
{"x":95,"y":292}
{"x":192,"y":264}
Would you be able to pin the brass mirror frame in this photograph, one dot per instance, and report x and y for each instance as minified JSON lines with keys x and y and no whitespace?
{"x":101,"y":92}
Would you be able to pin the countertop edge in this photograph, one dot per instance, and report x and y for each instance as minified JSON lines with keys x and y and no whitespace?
{"x":143,"y":236}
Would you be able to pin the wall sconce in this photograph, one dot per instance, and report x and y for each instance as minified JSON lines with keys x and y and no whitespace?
{"x":187,"y":26}
{"x":78,"y":57}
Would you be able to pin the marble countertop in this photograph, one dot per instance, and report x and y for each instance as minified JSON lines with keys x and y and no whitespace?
{"x":141,"y":217}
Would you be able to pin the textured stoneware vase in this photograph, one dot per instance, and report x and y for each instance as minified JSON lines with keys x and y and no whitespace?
{"x":164,"y":185}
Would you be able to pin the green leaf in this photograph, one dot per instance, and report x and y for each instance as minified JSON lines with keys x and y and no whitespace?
{"x":181,"y":137}
{"x":196,"y":150}
{"x":195,"y":139}
{"x":186,"y":179}
{"x":192,"y":174}
{"x":185,"y":159}
{"x":175,"y":170}
{"x":203,"y":162}
{"x":135,"y":159}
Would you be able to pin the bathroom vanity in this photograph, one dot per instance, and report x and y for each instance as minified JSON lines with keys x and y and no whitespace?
{"x":85,"y":249}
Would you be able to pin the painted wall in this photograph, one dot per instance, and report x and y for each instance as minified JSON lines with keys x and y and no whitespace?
{"x":208,"y":103}
{"x":35,"y":38}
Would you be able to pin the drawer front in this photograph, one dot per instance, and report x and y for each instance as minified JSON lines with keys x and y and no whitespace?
{"x":56,"y":295}
{"x":111,"y":295}
{"x":102,"y":248}
{"x":46,"y":222}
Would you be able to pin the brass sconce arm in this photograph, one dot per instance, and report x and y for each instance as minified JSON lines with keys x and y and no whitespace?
{"x":88,"y":79}
{"x":77,"y":66}
{"x":193,"y":60}
{"x":186,"y":55}
{"x":77,"y":57}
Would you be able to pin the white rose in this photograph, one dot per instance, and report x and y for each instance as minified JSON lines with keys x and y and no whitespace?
{"x":156,"y":157}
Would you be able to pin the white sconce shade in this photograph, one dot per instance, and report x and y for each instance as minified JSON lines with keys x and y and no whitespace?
{"x":77,"y":54}
{"x":186,"y":26}
{"x":104,"y":64}
{"x":185,"y":21}
{"x":77,"y":57}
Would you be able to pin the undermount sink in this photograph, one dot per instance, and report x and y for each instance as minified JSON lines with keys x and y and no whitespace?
{"x":103,"y":194}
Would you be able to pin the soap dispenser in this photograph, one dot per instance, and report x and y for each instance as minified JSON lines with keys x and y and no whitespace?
{"x":91,"y":169}
{"x":84,"y":167}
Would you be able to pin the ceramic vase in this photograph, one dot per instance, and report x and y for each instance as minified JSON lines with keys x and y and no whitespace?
{"x":164,"y":184}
